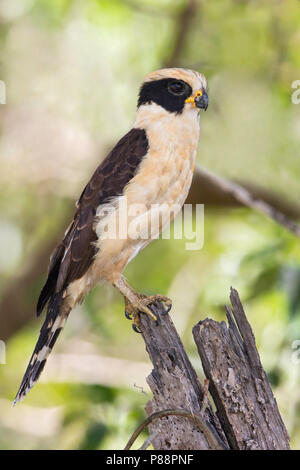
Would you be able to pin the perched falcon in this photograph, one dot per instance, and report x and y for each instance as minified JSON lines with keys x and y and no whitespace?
{"x":152,"y":164}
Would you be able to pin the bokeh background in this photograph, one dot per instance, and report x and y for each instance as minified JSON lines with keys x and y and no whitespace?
{"x":72,"y":69}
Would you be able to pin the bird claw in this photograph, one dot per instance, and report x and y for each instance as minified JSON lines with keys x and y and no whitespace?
{"x":141,"y":304}
{"x":165,"y":301}
{"x":128,"y":315}
{"x":135,"y":328}
{"x":168,"y":308}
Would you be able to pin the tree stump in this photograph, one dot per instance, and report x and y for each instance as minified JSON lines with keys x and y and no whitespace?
{"x":246,"y":417}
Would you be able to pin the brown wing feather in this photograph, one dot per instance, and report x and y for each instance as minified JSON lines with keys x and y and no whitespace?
{"x":74,"y":255}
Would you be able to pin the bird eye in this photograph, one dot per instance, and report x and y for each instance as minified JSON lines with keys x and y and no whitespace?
{"x":177,"y":88}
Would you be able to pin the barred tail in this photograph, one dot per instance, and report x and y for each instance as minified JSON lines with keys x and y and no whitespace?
{"x":56,"y":317}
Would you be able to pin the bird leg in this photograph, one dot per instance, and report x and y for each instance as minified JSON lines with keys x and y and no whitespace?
{"x":136,"y":303}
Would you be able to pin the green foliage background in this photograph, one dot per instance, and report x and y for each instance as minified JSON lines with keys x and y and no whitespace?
{"x":72,"y":69}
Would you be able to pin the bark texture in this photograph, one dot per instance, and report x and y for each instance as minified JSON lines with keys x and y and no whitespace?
{"x":174,"y":384}
{"x":245,"y":404}
{"x":246,"y":417}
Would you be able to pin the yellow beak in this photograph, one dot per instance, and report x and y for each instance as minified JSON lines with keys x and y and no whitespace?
{"x":199,"y":100}
{"x":191,"y":99}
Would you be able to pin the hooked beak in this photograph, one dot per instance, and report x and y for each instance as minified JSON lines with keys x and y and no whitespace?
{"x":199,"y":100}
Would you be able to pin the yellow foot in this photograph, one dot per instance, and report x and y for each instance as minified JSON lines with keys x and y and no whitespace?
{"x":140,"y":304}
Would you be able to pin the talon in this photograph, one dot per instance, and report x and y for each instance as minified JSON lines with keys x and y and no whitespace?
{"x":140,"y":303}
{"x":167,"y":303}
{"x":143,"y":308}
{"x":168,"y":308}
{"x":128,"y":315}
{"x":135,"y":328}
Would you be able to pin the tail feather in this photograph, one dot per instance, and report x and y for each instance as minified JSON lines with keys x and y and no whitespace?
{"x":48,"y":290}
{"x":52,"y":326}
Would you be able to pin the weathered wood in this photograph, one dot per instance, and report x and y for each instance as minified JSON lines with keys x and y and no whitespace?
{"x":239,"y":386}
{"x":174,"y":384}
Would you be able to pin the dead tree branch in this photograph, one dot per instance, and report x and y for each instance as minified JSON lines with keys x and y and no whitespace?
{"x":175,"y":385}
{"x":247,"y":415}
{"x":239,"y":386}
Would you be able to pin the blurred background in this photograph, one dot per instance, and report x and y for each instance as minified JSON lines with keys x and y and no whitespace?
{"x":72,"y":69}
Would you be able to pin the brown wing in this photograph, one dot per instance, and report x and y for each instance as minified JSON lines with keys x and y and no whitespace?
{"x":71,"y":259}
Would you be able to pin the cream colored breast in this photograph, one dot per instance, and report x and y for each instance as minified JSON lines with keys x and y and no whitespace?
{"x":166,"y":172}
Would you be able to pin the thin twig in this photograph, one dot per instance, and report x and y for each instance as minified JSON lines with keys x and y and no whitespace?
{"x":149,"y":440}
{"x":197,"y":419}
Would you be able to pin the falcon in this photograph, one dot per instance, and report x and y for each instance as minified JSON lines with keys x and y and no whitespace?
{"x":151,"y":165}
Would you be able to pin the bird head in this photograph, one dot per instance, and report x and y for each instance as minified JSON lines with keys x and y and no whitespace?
{"x":174,"y":89}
